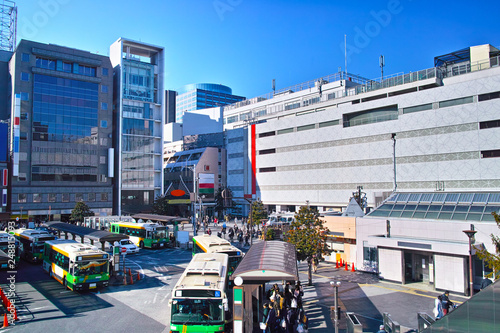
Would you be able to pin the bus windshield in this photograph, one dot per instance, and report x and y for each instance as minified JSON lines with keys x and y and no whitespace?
{"x":197,"y":311}
{"x":38,"y":247}
{"x":83,"y":268}
{"x":233,"y":263}
{"x":159,"y":233}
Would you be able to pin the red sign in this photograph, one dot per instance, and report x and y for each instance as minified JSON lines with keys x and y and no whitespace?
{"x":247,"y":196}
{"x":124,"y":250}
{"x":177,"y":193}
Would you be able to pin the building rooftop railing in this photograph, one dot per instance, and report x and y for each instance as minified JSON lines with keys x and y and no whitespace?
{"x":366,"y":85}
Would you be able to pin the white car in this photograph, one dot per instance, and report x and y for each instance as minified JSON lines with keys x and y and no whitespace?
{"x":127,"y":244}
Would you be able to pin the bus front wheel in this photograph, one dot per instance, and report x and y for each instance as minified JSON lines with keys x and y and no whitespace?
{"x":141,"y":244}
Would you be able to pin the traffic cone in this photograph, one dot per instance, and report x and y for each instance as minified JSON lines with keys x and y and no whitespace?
{"x":138,"y":276}
{"x":5,"y":321}
{"x":15,"y":314}
{"x":131,"y":279}
{"x":125,"y":279}
{"x":337,"y":265}
{"x":346,"y":266}
{"x":353,"y":270}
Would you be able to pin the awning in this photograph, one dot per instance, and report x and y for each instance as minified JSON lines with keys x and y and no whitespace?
{"x":160,"y":218}
{"x":93,"y":234}
{"x":268,"y":261}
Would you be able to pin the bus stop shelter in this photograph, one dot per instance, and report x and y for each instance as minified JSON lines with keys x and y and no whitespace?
{"x":83,"y":232}
{"x":164,"y":219}
{"x":264,"y":262}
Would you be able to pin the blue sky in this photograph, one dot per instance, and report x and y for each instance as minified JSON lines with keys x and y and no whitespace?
{"x":246,"y":44}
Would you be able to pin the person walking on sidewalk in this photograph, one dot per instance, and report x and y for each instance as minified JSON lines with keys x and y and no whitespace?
{"x":381,"y":329}
{"x":445,"y":302}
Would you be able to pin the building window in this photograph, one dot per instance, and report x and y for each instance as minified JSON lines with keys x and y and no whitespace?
{"x":25,"y":76}
{"x":417,"y":108}
{"x":490,"y":153}
{"x":45,"y":63}
{"x":104,"y":197}
{"x":91,"y":197}
{"x":21,"y":197}
{"x":104,"y":72}
{"x":329,"y":123}
{"x":25,"y":57}
{"x":78,"y":197}
{"x":270,"y":169}
{"x":104,"y":88}
{"x":456,"y":101}
{"x":52,"y":197}
{"x":102,"y":159}
{"x":25,"y":96}
{"x":386,"y":113}
{"x":104,"y":106}
{"x":65,"y":197}
{"x":37,"y":197}
{"x":305,"y":127}
{"x":104,"y":124}
{"x":487,"y":97}
{"x":489,"y":124}
{"x":285,"y":131}
{"x":263,"y":135}
{"x":267,"y":151}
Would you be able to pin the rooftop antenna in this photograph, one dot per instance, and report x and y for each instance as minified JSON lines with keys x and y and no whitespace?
{"x":382,"y":64}
{"x":274,"y":86}
{"x":345,"y":53}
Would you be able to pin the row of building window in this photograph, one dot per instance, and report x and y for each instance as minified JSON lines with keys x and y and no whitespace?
{"x":40,"y":62}
{"x":63,"y":197}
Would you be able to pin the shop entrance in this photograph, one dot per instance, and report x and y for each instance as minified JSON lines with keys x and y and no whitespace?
{"x":418,"y":267}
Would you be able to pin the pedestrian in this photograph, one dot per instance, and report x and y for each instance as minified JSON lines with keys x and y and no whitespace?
{"x":315,"y":263}
{"x":272,"y":321}
{"x":209,"y":232}
{"x":438,"y":308}
{"x":381,"y":329}
{"x":445,"y":302}
{"x":265,"y":312}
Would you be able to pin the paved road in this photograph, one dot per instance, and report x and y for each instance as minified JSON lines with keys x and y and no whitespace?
{"x":46,"y":306}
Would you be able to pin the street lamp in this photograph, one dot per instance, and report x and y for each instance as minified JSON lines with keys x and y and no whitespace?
{"x":470,"y":234}
{"x":336,"y":286}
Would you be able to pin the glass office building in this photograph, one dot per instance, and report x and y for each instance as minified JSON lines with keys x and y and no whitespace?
{"x":201,"y":96}
{"x":138,"y":71}
{"x":61,"y":131}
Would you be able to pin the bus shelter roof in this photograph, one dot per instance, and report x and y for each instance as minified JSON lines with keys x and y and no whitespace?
{"x":160,"y":218}
{"x":95,"y":235}
{"x":268,"y":261}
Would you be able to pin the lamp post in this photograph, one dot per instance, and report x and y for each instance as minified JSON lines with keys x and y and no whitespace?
{"x":470,"y":234}
{"x":336,"y":286}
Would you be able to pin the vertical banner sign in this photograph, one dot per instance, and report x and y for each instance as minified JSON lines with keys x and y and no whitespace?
{"x":15,"y":135}
{"x":206,"y":184}
{"x":5,"y":177}
{"x":4,"y":197}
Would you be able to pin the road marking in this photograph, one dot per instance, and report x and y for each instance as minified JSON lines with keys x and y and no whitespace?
{"x":409,"y":291}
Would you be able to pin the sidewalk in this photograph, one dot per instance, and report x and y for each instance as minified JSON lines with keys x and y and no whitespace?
{"x":364,"y":295}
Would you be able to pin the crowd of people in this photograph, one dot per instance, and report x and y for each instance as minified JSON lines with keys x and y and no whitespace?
{"x":283,"y":311}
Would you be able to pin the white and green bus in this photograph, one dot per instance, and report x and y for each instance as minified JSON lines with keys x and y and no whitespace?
{"x":213,"y":244}
{"x":76,"y":266}
{"x":31,"y":243}
{"x":147,"y":234}
{"x":199,"y":302}
{"x":10,"y":247}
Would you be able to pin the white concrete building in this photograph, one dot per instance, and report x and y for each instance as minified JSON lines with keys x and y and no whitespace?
{"x":319,"y":140}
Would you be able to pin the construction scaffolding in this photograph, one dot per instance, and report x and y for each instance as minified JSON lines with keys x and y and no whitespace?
{"x":8,"y":25}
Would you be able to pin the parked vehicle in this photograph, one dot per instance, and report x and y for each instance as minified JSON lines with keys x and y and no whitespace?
{"x":127,"y":244}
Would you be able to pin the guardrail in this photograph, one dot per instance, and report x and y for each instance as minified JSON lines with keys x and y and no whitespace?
{"x":424,"y":321}
{"x":390,"y":325}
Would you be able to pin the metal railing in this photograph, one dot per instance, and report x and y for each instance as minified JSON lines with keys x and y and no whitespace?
{"x":353,"y":323}
{"x":365,"y":85}
{"x":390,"y":325}
{"x":424,"y":321}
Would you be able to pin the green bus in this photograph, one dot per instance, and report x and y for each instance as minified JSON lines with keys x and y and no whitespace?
{"x":31,"y":243}
{"x":199,"y":301}
{"x":75,"y":265}
{"x":9,"y":251}
{"x":147,"y":234}
{"x":213,"y":244}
